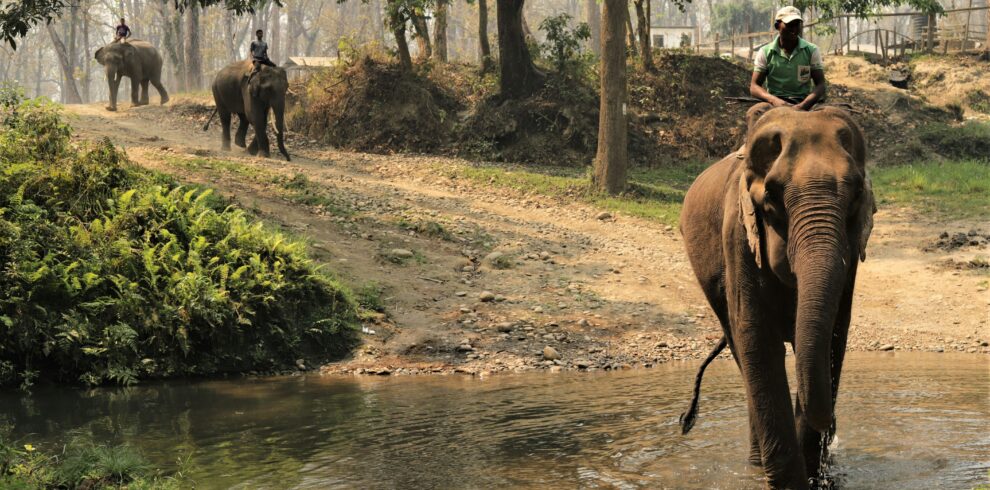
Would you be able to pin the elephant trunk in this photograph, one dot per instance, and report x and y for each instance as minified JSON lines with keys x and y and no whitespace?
{"x":818,"y":252}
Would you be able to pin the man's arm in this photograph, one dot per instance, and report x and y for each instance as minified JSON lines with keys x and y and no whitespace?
{"x":756,"y":90}
{"x":817,"y":94}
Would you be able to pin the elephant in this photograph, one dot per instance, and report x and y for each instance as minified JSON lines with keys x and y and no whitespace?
{"x":251,"y":97}
{"x":137,"y":60}
{"x":773,"y":233}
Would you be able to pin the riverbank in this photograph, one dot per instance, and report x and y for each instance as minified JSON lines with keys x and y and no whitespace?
{"x":473,"y":272}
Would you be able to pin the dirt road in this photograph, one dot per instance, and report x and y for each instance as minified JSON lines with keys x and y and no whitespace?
{"x":480,"y":280}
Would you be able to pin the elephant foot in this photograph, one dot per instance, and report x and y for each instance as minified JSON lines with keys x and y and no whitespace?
{"x":164,"y":100}
{"x":111,"y":108}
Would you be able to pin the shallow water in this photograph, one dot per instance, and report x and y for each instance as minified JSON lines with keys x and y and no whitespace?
{"x":905,"y":421}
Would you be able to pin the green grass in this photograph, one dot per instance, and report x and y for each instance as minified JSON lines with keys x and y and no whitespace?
{"x":959,"y":189}
{"x":653,"y":193}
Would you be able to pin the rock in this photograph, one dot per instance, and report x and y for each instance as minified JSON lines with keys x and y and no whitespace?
{"x":556,"y":369}
{"x":584,"y":322}
{"x":549,"y":353}
{"x":460,"y":294}
{"x":886,"y":347}
{"x":486,"y":296}
{"x":538,"y":309}
{"x":401,"y":253}
{"x":493,"y":257}
{"x":663,"y":345}
{"x":604,"y":215}
{"x":465,"y":348}
{"x":504,"y":327}
{"x":301,"y":364}
{"x":582,"y":363}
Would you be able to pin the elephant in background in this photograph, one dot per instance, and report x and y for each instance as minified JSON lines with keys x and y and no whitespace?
{"x":774,"y":233}
{"x":251,"y":97}
{"x":137,"y":60}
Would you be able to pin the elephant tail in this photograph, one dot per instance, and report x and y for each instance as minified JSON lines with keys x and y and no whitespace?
{"x":687,"y":418}
{"x":206,"y":126}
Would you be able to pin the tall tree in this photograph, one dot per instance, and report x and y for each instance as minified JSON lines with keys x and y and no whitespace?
{"x":440,"y":31}
{"x":643,"y":28}
{"x":986,"y":44}
{"x":519,"y":76}
{"x":397,"y":15}
{"x":632,"y":33}
{"x":418,"y":18}
{"x":276,"y":30}
{"x":593,"y":16}
{"x":194,"y":61}
{"x":70,"y":93}
{"x":484,"y":48}
{"x":610,"y":163}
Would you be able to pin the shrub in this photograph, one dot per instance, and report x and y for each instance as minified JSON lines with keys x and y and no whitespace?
{"x":111,"y":274}
{"x":563,"y":44}
{"x":967,"y":141}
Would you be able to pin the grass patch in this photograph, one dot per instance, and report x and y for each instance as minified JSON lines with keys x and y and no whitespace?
{"x":370,"y":296}
{"x":428,"y":228}
{"x":654,"y":193}
{"x":957,"y":189}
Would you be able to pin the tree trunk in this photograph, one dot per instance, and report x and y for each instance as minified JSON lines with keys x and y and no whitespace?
{"x":593,"y":17}
{"x":643,"y":23}
{"x":440,"y":32}
{"x":519,"y":76}
{"x":194,"y":62}
{"x":422,"y":36}
{"x":986,"y":44}
{"x":397,"y":23}
{"x":484,"y":48}
{"x":632,"y":33}
{"x":276,"y":28}
{"x":292,"y":34}
{"x":70,"y":93}
{"x":610,"y":162}
{"x":228,"y":34}
{"x":87,"y":59}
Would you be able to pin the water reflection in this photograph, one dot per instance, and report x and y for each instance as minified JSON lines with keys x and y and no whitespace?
{"x":905,"y":421}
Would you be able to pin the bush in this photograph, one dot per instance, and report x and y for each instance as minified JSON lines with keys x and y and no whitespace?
{"x":112,"y":274}
{"x":967,"y":141}
{"x":562,"y":47}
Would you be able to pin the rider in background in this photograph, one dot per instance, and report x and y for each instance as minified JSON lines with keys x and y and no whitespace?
{"x":122,"y":32}
{"x":789,"y":71}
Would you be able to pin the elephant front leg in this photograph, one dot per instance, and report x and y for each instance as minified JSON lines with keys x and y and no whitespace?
{"x":135,"y":92}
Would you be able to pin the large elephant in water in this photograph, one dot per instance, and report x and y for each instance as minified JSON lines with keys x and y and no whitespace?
{"x":774,"y":233}
{"x":137,"y":60}
{"x":251,"y":97}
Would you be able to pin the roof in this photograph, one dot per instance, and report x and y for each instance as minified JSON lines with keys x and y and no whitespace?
{"x":311,"y":61}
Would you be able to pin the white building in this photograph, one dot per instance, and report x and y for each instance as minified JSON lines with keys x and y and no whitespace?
{"x":673,"y":36}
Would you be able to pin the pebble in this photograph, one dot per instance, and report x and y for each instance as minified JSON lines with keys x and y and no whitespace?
{"x":604,"y":215}
{"x":504,"y":327}
{"x":461,"y":294}
{"x":486,"y":296}
{"x":886,"y":347}
{"x":401,"y":253}
{"x":582,"y":363}
{"x":549,"y":353}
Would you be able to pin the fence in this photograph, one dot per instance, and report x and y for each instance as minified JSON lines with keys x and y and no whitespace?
{"x":929,"y":37}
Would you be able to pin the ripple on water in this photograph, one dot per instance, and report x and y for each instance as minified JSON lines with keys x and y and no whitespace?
{"x":908,"y":421}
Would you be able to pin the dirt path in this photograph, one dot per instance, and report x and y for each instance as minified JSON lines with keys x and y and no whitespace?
{"x":482,"y":280}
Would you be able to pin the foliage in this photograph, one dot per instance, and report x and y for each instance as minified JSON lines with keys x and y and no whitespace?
{"x":828,"y":9}
{"x":81,"y":464}
{"x":563,"y":45}
{"x":970,"y":140}
{"x":111,"y":274}
{"x":742,"y":16}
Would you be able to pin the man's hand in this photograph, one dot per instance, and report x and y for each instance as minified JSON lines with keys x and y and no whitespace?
{"x":778,"y":102}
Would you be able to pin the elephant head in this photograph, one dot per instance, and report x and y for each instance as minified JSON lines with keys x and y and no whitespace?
{"x":117,"y":59}
{"x":807,"y":206}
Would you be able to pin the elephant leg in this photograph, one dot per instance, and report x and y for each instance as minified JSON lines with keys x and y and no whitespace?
{"x":161,"y":90}
{"x":135,"y":95}
{"x":242,"y":129}
{"x":259,"y":119}
{"x":144,"y":92}
{"x":225,"y":124}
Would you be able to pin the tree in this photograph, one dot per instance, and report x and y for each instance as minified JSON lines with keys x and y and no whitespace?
{"x":643,"y":27}
{"x":519,"y":76}
{"x":986,"y":44}
{"x":632,"y":33}
{"x":397,"y":16}
{"x":593,"y":17}
{"x":194,"y":62}
{"x":484,"y":48}
{"x":70,"y":93}
{"x":611,"y":160}
{"x":440,"y":31}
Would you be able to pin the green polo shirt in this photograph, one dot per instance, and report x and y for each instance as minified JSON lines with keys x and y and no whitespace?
{"x":788,"y":75}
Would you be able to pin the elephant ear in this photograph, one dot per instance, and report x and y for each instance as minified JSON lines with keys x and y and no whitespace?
{"x":864,"y":216}
{"x":749,"y":220}
{"x":99,"y":55}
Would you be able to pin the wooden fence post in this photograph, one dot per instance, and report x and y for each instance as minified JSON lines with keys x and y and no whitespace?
{"x":732,"y":46}
{"x":716,"y":45}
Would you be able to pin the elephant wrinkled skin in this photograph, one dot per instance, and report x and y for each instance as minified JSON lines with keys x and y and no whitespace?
{"x":251,"y":97}
{"x":774,"y":234}
{"x":137,"y":60}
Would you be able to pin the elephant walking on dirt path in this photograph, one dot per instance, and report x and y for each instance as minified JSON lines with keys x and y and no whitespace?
{"x":774,"y":233}
{"x":137,"y":60}
{"x":251,"y":96}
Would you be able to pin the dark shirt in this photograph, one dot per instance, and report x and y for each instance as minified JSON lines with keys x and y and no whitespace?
{"x":259,"y":50}
{"x":123,"y":30}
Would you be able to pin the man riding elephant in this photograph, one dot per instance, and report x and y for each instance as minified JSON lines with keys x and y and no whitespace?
{"x":789,"y":70}
{"x":251,"y":91}
{"x":137,"y":60}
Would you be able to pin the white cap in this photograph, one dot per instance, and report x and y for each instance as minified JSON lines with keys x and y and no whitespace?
{"x":788,"y":14}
